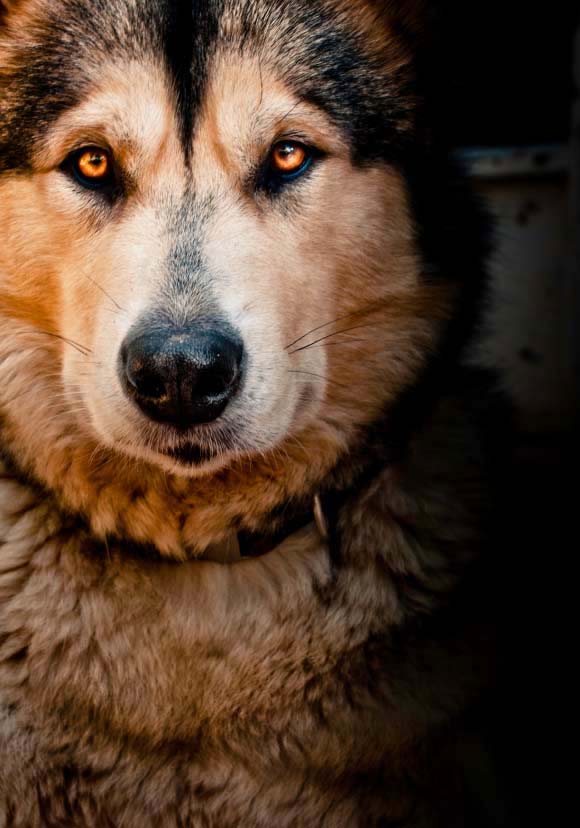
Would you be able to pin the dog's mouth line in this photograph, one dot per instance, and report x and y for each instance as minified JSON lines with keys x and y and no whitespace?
{"x":191,"y":454}
{"x":207,"y":444}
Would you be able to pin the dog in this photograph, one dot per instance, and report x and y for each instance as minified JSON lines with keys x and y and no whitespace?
{"x":246,"y":482}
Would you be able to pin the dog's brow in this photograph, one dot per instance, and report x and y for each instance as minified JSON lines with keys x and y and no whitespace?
{"x":290,"y":112}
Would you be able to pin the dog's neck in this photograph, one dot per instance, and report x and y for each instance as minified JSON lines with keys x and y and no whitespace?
{"x":178,"y":517}
{"x":243,"y":511}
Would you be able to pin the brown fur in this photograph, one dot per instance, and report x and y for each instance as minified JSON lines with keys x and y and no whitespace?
{"x":286,"y":690}
{"x":257,"y":656}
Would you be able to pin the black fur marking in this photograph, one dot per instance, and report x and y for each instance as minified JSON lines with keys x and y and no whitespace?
{"x":190,"y":454}
{"x":50,"y":75}
{"x":353,"y":90}
{"x":191,"y":32}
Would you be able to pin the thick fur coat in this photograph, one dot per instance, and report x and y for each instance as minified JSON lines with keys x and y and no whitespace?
{"x":326,"y":682}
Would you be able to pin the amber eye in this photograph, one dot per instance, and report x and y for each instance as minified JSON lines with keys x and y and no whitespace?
{"x":290,"y":159}
{"x":92,"y":167}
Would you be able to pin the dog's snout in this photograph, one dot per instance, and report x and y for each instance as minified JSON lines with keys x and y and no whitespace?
{"x":182,"y":378}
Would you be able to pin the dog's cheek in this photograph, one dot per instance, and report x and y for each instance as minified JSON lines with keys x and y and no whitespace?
{"x":31,"y":250}
{"x":106,"y":282}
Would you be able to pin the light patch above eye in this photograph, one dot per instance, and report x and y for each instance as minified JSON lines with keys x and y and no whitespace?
{"x":289,"y":158}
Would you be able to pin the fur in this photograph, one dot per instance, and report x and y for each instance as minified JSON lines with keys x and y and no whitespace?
{"x":138,"y":685}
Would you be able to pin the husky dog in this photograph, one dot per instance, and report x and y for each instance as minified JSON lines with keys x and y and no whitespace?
{"x":244,"y":482}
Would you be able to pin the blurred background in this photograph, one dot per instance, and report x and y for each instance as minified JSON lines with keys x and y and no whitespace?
{"x":510,"y":69}
{"x":513,"y":75}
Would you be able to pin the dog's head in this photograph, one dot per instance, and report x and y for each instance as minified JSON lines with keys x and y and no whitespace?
{"x":209,"y":243}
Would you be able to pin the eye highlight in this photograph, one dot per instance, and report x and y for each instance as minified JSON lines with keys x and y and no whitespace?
{"x":290,"y":159}
{"x":92,"y":168}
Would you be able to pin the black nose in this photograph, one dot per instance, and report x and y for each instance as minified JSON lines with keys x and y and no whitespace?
{"x":182,"y":377}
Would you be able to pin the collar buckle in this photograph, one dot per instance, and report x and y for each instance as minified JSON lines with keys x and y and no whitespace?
{"x":320,"y":518}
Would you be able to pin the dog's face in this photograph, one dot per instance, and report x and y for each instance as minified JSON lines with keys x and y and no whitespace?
{"x":203,"y":226}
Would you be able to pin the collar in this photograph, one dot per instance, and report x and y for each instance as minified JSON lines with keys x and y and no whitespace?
{"x":239,"y":546}
{"x":349,"y":478}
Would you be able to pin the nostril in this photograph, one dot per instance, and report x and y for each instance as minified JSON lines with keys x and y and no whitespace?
{"x":141,"y":378}
{"x":209,"y":383}
{"x":220,"y":370}
{"x":147,"y":385}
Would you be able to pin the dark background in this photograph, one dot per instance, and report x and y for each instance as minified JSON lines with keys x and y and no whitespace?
{"x":509,"y":66}
{"x":508,"y":70}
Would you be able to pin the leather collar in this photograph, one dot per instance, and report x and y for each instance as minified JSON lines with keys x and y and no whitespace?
{"x":349,"y":478}
{"x":243,"y":545}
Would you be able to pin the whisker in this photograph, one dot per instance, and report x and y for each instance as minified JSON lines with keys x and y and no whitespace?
{"x":82,"y":349}
{"x":350,"y":341}
{"x":314,"y":330}
{"x":287,"y":115}
{"x":102,"y":289}
{"x":336,"y":333}
{"x":362,"y":312}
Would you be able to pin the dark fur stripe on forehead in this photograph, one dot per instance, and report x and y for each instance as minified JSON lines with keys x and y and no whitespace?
{"x":189,"y":37}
